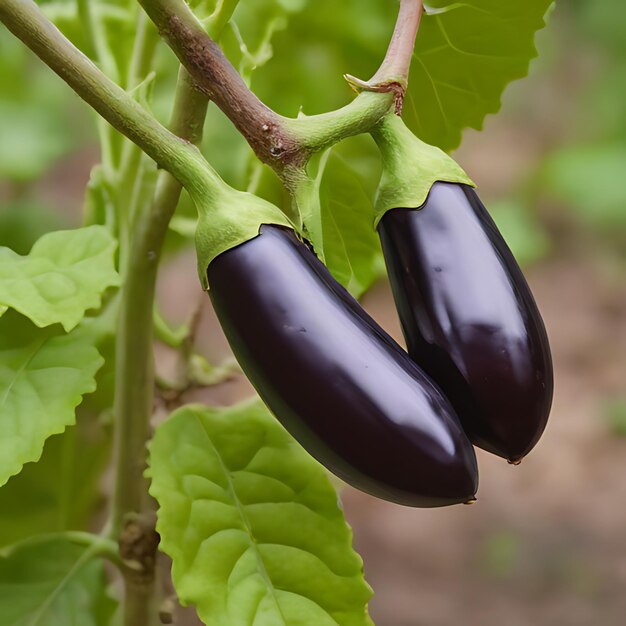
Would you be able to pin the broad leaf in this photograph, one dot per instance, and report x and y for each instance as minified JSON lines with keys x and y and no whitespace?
{"x":61,"y":490}
{"x":64,"y":275}
{"x":466,"y":54}
{"x":351,"y":247}
{"x":43,"y":376}
{"x":52,"y":582}
{"x":252,"y":523}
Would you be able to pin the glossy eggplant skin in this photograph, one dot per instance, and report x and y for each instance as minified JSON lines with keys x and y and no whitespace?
{"x":343,"y":388}
{"x":470,"y":319}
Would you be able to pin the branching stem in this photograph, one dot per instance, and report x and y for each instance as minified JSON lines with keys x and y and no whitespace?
{"x":26,"y":21}
{"x":284,"y":144}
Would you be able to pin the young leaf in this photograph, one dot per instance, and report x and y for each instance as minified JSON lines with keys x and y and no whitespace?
{"x":466,"y":54}
{"x":351,"y":247}
{"x":43,"y":376}
{"x":254,"y":25}
{"x":252,"y":523}
{"x":64,"y":275}
{"x":52,"y":582}
{"x":61,"y":490}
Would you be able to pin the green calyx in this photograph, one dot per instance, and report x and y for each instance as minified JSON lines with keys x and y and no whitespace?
{"x":228,"y":219}
{"x":410,"y":167}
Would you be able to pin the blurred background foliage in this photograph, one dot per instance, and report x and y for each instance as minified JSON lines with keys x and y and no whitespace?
{"x":299,"y":69}
{"x":551,"y":169}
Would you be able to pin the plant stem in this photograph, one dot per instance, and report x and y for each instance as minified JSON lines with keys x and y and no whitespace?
{"x":134,"y":389}
{"x":171,"y":337}
{"x":397,"y":62}
{"x":282,"y":143}
{"x":101,"y":546}
{"x":128,"y":179}
{"x":97,"y":545}
{"x":315,"y":133}
{"x":218,"y":79}
{"x":26,"y":21}
{"x":99,"y":50}
{"x":96,"y":38}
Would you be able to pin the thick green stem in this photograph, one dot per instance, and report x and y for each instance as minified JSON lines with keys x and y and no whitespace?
{"x":98,"y":49}
{"x":282,"y":143}
{"x":26,"y":21}
{"x":134,"y":390}
{"x":315,"y":133}
{"x":217,"y":21}
{"x":96,"y":38}
{"x":128,"y":179}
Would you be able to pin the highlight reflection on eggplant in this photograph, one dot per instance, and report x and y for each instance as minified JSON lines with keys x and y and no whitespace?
{"x":344,"y":389}
{"x":469,"y":317}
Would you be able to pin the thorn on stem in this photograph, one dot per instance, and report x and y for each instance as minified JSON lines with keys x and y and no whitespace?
{"x":397,"y":88}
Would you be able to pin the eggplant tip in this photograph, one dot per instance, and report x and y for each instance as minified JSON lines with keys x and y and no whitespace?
{"x":471,"y":501}
{"x":515,"y":462}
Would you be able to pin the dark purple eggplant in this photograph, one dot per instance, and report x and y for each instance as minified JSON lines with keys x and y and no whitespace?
{"x":343,"y":388}
{"x":469,"y":317}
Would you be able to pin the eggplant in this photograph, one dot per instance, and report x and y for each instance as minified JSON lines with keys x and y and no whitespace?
{"x":469,"y":317}
{"x":340,"y":385}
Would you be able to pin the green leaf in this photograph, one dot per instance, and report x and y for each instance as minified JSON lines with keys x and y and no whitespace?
{"x":61,"y":490}
{"x":466,"y":54}
{"x":252,"y":523}
{"x":351,"y":246}
{"x":254,"y":25}
{"x":64,"y":275}
{"x":53,"y":582}
{"x":43,"y":376}
{"x":100,"y":332}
